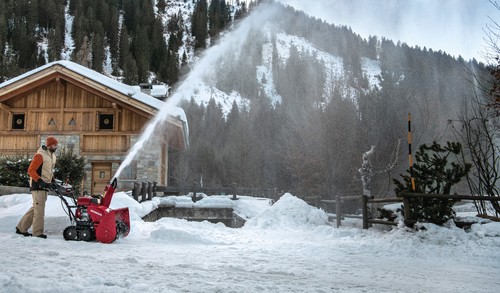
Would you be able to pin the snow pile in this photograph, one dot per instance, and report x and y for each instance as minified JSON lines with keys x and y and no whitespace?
{"x":288,"y":211}
{"x":490,"y":230}
{"x":137,"y":210}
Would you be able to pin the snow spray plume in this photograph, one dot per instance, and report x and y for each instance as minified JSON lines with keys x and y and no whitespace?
{"x":234,"y":40}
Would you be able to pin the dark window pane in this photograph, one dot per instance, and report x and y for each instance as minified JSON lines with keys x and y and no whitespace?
{"x":105,"y":121}
{"x":18,"y":121}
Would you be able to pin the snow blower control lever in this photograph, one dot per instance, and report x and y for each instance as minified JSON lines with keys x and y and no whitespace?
{"x":91,"y":217}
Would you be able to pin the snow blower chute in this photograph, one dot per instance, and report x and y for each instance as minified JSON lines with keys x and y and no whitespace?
{"x":92,"y":218}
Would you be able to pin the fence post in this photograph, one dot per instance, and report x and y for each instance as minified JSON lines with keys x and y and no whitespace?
{"x":234,"y":191}
{"x":150,"y":190}
{"x":143,"y":191}
{"x":135,"y":191}
{"x":194,"y":192}
{"x":338,"y":212}
{"x":154,"y":188}
{"x":364,"y":200}
{"x":407,"y":211}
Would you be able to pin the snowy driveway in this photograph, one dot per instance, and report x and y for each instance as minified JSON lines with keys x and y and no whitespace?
{"x":267,"y":255}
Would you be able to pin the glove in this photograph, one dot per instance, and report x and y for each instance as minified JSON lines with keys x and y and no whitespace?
{"x":42,"y":184}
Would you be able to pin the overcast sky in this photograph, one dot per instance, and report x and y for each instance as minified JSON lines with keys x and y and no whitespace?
{"x":454,"y":26}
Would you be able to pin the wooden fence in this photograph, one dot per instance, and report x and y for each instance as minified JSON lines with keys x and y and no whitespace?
{"x":143,"y":191}
{"x":403,"y":197}
{"x":409,"y":218}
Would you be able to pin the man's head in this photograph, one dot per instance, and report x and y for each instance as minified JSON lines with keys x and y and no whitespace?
{"x":51,"y":143}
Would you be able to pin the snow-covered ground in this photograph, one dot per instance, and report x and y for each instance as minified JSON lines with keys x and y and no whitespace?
{"x":284,"y":247}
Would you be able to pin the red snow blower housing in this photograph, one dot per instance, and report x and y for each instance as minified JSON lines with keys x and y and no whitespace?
{"x":92,"y":217}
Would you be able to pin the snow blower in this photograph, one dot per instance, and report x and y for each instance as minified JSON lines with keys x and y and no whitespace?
{"x":91,"y":216}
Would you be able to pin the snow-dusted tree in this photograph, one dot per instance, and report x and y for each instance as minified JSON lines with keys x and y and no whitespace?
{"x":435,"y":171}
{"x":83,"y":55}
{"x":366,"y":171}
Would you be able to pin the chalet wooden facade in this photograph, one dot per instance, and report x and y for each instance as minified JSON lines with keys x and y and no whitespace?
{"x":98,"y":117}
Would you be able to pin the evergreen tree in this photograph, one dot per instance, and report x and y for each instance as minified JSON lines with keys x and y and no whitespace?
{"x":124,"y":47}
{"x":241,"y":12}
{"x":199,"y":24}
{"x":98,"y":51}
{"x":41,"y":58}
{"x":218,"y":17}
{"x":3,"y":29}
{"x":161,"y":5}
{"x":82,"y":56}
{"x":434,"y":171}
{"x":140,"y":50}
{"x":55,"y":39}
{"x":130,"y":72}
{"x":113,"y":36}
{"x":24,"y":42}
{"x":158,"y":45}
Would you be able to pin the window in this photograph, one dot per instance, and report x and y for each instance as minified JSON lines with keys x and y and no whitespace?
{"x":18,"y":121}
{"x":106,"y":121}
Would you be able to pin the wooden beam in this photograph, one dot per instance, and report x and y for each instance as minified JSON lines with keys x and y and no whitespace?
{"x":4,"y":107}
{"x":108,"y":93}
{"x":31,"y":83}
{"x":61,"y":88}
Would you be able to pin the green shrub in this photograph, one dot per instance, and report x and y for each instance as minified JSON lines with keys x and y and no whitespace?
{"x":70,"y":166}
{"x":14,"y":170}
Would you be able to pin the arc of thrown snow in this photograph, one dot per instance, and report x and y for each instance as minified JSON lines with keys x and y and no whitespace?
{"x":232,"y":41}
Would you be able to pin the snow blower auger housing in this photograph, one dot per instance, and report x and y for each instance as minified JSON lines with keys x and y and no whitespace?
{"x":92,"y":218}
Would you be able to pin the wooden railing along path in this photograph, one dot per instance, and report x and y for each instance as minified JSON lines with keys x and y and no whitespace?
{"x":146,"y":190}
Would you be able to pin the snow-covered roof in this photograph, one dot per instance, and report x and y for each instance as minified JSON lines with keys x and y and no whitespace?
{"x":130,"y":91}
{"x":95,"y":76}
{"x":157,"y":90}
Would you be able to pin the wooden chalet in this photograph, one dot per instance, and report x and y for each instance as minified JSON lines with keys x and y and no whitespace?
{"x":96,"y":116}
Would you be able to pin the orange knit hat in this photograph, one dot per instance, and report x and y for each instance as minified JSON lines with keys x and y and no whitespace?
{"x":51,"y":141}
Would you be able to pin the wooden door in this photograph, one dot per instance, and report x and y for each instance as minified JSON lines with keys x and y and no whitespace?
{"x":101,"y":175}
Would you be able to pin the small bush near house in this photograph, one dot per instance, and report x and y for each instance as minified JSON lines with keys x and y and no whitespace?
{"x":70,"y":166}
{"x":14,"y":170}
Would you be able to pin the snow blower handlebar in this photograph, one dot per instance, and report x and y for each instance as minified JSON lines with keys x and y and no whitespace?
{"x":61,"y":191}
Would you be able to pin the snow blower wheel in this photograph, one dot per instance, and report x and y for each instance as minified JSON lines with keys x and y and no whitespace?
{"x":70,"y":233}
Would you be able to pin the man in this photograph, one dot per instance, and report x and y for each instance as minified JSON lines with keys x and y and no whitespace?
{"x":41,"y":172}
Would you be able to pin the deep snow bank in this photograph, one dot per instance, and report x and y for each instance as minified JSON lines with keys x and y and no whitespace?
{"x":288,"y":211}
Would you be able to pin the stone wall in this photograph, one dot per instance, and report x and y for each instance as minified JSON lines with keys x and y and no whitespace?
{"x":4,"y":190}
{"x":213,"y":215}
{"x":148,"y":161}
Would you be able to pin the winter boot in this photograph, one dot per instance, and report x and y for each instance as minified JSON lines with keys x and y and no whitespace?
{"x":26,"y":234}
